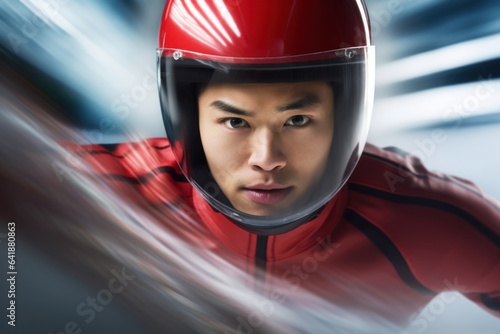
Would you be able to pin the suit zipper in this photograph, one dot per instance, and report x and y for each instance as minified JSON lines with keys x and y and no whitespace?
{"x":261,"y":259}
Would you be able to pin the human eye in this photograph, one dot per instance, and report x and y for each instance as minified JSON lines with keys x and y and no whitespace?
{"x":234,"y":123}
{"x":298,"y":120}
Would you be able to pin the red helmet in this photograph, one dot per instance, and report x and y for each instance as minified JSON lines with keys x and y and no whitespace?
{"x":260,"y":41}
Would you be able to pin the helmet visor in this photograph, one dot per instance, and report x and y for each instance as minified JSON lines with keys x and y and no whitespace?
{"x":267,"y":141}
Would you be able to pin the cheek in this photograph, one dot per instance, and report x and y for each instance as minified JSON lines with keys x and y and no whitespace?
{"x":221,"y":152}
{"x":310,"y":156}
{"x":210,"y":139}
{"x":311,"y":162}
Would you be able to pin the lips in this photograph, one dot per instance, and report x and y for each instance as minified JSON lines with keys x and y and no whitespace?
{"x":267,"y":193}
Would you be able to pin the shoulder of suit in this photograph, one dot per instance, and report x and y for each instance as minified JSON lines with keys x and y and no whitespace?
{"x":431,"y":225}
{"x":398,"y":181}
{"x":148,"y":166}
{"x":394,"y":171}
{"x":128,"y":159}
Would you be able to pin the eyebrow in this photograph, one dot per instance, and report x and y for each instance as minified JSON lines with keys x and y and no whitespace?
{"x":226,"y":107}
{"x":306,"y":101}
{"x":303,"y":102}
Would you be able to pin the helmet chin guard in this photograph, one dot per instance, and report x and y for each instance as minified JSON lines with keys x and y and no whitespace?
{"x":305,"y":41}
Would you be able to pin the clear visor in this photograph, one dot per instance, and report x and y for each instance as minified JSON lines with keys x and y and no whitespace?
{"x":267,"y":141}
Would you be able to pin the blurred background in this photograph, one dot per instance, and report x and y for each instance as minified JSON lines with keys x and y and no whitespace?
{"x":438,"y":97}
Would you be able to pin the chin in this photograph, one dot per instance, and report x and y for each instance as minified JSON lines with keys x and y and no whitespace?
{"x":266,"y":211}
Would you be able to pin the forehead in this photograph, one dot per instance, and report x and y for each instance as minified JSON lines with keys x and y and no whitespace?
{"x":266,"y":91}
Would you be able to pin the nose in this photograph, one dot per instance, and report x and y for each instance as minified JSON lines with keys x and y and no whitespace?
{"x":266,"y":153}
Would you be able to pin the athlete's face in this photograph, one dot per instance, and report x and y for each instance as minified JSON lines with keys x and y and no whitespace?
{"x":266,"y":144}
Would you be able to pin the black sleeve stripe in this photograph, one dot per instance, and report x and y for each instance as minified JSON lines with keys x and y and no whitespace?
{"x":490,"y":302}
{"x":387,"y":247}
{"x":408,"y":171}
{"x":143,"y":179}
{"x":162,"y":147}
{"x":433,"y":203}
{"x":110,"y":148}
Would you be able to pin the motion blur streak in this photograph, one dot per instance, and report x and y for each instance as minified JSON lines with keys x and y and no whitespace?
{"x":180,"y":283}
{"x":430,"y":62}
{"x":78,"y":57}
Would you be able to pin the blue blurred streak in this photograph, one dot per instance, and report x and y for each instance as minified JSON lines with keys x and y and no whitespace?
{"x":430,"y":25}
{"x":95,"y":52}
{"x":415,"y":96}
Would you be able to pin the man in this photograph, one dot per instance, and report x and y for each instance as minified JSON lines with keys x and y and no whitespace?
{"x":267,"y":106}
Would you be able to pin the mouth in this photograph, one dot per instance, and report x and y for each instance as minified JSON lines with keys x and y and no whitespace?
{"x":267,"y":194}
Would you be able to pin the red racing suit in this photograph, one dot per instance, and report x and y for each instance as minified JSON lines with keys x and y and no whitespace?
{"x":394,"y":237}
